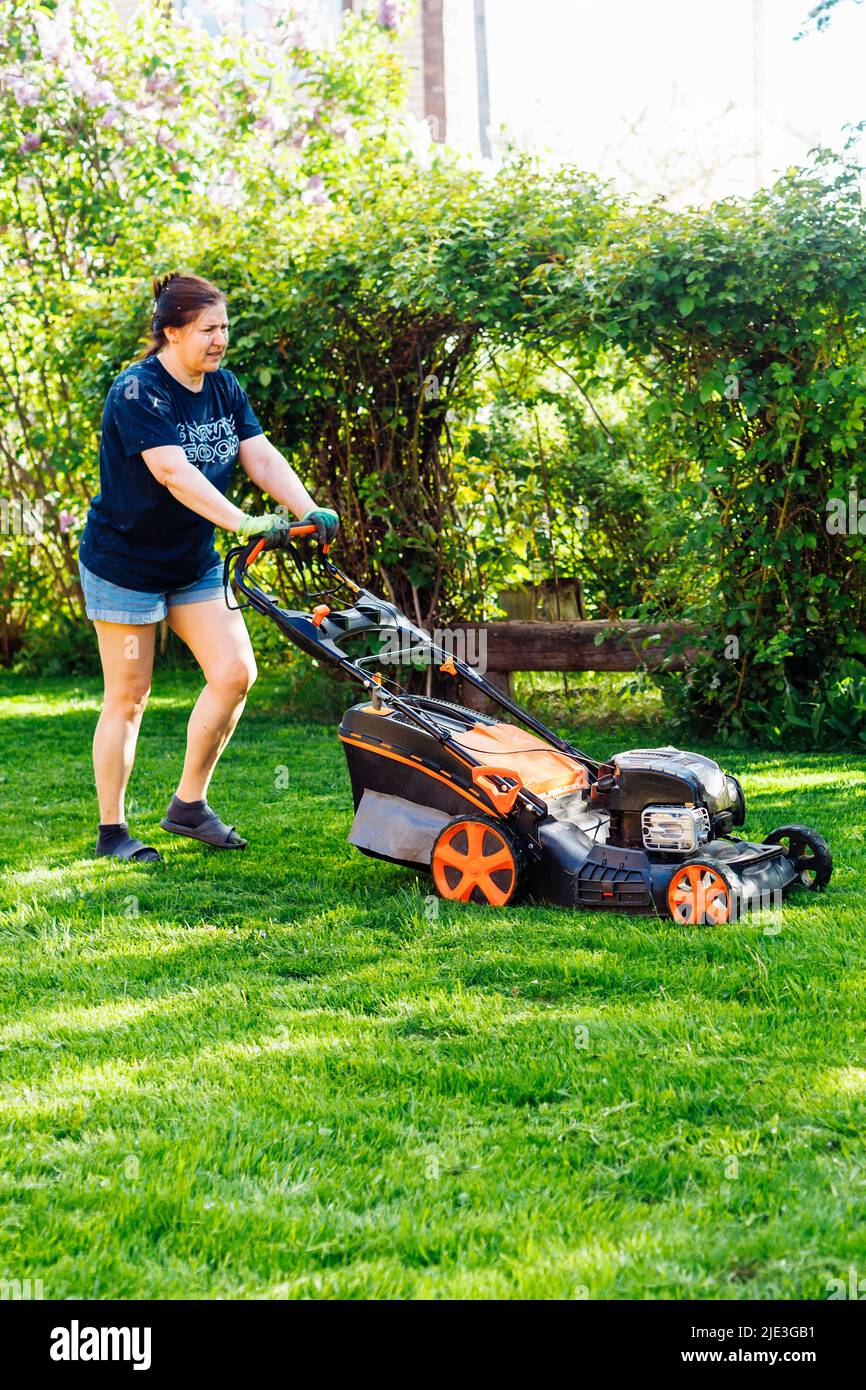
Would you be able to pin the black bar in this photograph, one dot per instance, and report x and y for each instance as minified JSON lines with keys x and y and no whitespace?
{"x":653,"y":1338}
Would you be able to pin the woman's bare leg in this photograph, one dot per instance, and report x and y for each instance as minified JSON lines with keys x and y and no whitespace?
{"x":126,"y":652}
{"x":218,"y":639}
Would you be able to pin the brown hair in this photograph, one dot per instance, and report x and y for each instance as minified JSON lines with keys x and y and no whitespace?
{"x":177,"y":299}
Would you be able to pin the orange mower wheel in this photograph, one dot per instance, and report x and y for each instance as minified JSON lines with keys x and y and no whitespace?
{"x":700,"y":894}
{"x":475,"y":859}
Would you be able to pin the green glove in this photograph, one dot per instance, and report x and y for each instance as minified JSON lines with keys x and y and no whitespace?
{"x":274,"y":525}
{"x":326,"y":522}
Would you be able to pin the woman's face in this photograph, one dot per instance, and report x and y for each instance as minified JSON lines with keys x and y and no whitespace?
{"x":200,"y":346}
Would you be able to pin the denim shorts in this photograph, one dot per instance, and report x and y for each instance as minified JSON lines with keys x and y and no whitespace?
{"x":111,"y":603}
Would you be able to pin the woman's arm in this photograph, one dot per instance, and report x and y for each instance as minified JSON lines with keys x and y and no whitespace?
{"x":171,"y":467}
{"x":273,"y":474}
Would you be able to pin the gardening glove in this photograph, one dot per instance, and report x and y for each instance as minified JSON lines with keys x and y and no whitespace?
{"x":273,"y":527}
{"x":326,"y":522}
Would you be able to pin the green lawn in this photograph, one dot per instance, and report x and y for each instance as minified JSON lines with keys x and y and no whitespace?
{"x":279,"y":1074}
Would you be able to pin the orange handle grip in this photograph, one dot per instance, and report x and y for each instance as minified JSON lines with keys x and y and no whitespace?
{"x":257,"y":549}
{"x":502,"y":800}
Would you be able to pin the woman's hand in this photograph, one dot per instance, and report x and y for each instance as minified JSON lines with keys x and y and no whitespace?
{"x":271,"y":526}
{"x":326,"y":522}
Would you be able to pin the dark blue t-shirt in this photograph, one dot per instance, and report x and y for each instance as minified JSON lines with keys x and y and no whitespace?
{"x":137,"y":534}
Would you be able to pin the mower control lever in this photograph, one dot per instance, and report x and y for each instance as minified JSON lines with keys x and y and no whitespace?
{"x":503,"y":800}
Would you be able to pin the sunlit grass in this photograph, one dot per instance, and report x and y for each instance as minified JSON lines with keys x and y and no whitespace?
{"x":279,"y":1074}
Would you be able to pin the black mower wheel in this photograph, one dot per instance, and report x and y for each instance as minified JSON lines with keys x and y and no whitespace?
{"x":476,"y":859}
{"x":808,"y":852}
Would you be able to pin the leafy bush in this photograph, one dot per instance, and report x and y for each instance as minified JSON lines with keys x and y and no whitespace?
{"x":745,"y":324}
{"x":838,"y":720}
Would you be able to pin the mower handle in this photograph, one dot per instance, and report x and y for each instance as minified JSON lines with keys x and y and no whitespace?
{"x":263,"y":542}
{"x":501,"y":785}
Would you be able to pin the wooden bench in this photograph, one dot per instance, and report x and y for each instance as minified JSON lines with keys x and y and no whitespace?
{"x":571,"y":646}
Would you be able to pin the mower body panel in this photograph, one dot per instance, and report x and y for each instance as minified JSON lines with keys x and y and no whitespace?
{"x":572,"y":871}
{"x":397,"y":758}
{"x":575,"y":871}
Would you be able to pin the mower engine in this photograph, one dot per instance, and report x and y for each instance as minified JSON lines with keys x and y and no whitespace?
{"x":665,"y":800}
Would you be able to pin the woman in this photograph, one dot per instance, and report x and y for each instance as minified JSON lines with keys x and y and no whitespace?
{"x":174,"y":426}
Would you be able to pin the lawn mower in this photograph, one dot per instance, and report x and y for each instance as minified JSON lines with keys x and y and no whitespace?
{"x":496,"y":812}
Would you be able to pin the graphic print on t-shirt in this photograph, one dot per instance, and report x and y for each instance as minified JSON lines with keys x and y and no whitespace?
{"x":215,"y":440}
{"x":212,"y":440}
